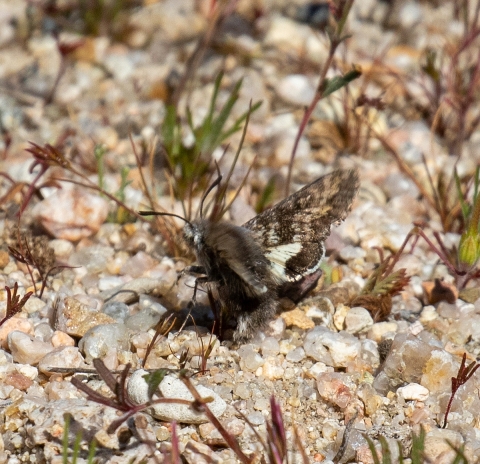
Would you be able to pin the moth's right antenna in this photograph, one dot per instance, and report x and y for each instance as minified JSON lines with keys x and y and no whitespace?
{"x":214,"y":184}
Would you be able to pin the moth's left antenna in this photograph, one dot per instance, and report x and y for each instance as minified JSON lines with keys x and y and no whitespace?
{"x":156,"y":213}
{"x":214,"y":184}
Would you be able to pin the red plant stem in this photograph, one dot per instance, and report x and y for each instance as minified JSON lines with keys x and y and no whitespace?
{"x":308,"y":113}
{"x":231,"y":440}
{"x":335,"y":41}
{"x":31,"y":189}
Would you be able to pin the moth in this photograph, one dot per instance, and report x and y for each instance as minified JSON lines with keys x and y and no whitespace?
{"x":275,"y":255}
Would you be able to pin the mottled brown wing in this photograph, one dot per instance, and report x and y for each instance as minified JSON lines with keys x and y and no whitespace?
{"x":293,"y":232}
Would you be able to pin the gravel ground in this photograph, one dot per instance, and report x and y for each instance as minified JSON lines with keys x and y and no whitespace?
{"x":381,"y":365}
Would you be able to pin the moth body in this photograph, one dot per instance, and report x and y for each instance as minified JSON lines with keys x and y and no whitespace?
{"x":277,"y":254}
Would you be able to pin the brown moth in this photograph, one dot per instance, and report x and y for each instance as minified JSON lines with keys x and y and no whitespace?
{"x":277,"y":254}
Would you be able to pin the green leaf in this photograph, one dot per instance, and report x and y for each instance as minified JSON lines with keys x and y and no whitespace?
{"x":418,"y":446}
{"x":266,"y":197}
{"x":465,"y":207}
{"x":371,"y":446}
{"x":154,"y":380}
{"x":337,"y":82}
{"x":386,"y":453}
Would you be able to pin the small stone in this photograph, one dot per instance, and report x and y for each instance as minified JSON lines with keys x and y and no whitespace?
{"x":138,"y":265}
{"x":437,"y":445}
{"x":272,"y":368}
{"x":296,"y":89}
{"x":350,"y":252}
{"x":413,"y":391}
{"x":62,"y":248}
{"x":243,"y":391}
{"x":334,"y":349}
{"x":249,"y":360}
{"x":63,"y":357}
{"x":71,"y":214}
{"x":199,"y":453}
{"x":270,"y":346}
{"x":162,"y":433}
{"x":18,"y":380}
{"x":261,"y":404}
{"x":447,"y":310}
{"x":99,"y":340}
{"x":340,"y":315}
{"x":277,"y":327}
{"x":428,"y":314}
{"x":44,"y":332}
{"x":109,"y":282}
{"x":34,"y":305}
{"x":116,"y":310}
{"x":296,"y":355}
{"x":297,"y":318}
{"x":94,"y":258}
{"x":15,"y":323}
{"x":60,"y":338}
{"x":438,"y":371}
{"x":409,"y":15}
{"x":333,"y":388}
{"x":256,"y":418}
{"x":75,"y":318}
{"x":145,"y":319}
{"x":4,"y":258}
{"x":379,"y":329}
{"x":358,"y":320}
{"x":26,"y":349}
{"x":173,"y":387}
{"x":234,"y":426}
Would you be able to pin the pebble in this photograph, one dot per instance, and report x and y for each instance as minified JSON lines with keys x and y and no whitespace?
{"x":413,"y":391}
{"x":296,"y":355}
{"x":71,"y":214}
{"x":63,"y":357}
{"x":333,"y":387}
{"x":76,"y":319}
{"x":438,"y":371}
{"x":256,"y":418}
{"x":296,"y":89}
{"x":270,"y":346}
{"x":173,"y":387}
{"x":249,"y":360}
{"x":15,"y":323}
{"x":138,"y":265}
{"x":380,"y":329}
{"x":26,"y":349}
{"x":93,"y":258}
{"x":296,"y":317}
{"x":100,"y":339}
{"x":144,"y":320}
{"x":116,"y":310}
{"x":60,"y":338}
{"x":334,"y":349}
{"x":272,"y":368}
{"x":358,"y":320}
{"x":437,"y":449}
{"x":62,"y":248}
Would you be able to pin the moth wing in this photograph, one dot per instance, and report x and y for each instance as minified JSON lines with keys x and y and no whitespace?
{"x":239,"y":253}
{"x":293,"y":232}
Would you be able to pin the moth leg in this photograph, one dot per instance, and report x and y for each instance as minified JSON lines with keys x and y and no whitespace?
{"x":191,"y":270}
{"x":201,"y":281}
